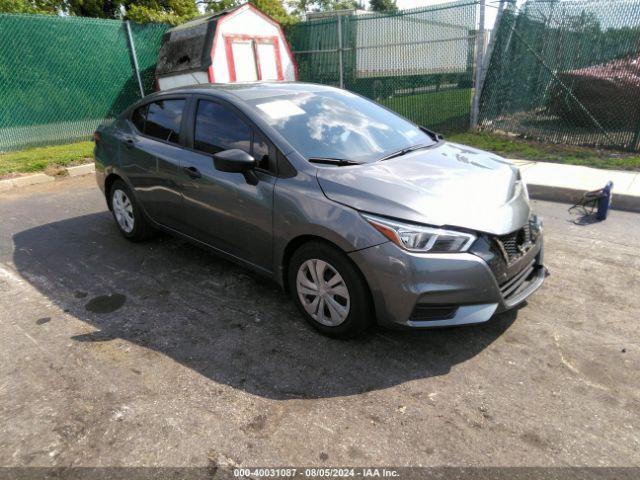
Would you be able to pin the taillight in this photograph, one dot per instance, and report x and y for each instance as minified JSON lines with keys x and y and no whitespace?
{"x":97,"y":136}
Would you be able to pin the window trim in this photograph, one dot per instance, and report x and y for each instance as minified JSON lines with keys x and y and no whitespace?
{"x":191,"y":127}
{"x":183,"y":120}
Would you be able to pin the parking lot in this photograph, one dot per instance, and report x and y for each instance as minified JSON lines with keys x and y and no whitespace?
{"x":161,"y":354}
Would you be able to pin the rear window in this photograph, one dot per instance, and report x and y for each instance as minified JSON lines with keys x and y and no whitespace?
{"x":139,"y":116}
{"x":162,"y":119}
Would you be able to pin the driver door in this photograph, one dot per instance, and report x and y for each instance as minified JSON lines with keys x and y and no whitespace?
{"x":220,"y":208}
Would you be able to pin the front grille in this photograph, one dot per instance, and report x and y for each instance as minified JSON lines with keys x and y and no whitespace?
{"x":424,"y":311}
{"x":513,"y":245}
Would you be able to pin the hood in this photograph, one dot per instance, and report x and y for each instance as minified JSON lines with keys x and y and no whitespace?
{"x":448,"y":185}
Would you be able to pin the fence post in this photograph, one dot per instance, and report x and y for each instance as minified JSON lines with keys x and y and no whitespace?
{"x":475,"y":107}
{"x":492,"y":42}
{"x":132,"y":47}
{"x":340,"y":61}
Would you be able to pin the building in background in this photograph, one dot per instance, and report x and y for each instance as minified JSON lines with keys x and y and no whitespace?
{"x":237,"y":45}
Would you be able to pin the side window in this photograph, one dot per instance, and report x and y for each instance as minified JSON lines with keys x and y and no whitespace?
{"x":219,"y":128}
{"x":260,"y":150}
{"x":163,"y":120}
{"x":139,"y":116}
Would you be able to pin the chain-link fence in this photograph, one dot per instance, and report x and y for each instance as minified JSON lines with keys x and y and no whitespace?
{"x":418,"y":62}
{"x":61,"y":76}
{"x":567,"y":71}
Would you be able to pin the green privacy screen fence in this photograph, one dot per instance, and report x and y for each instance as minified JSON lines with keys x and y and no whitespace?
{"x":61,"y":76}
{"x":419,"y":62}
{"x":567,"y":72}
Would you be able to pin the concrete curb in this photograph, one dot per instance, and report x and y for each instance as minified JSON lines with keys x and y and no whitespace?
{"x":86,"y":169}
{"x":38,"y":178}
{"x":568,"y":183}
{"x":25,"y":181}
{"x":620,"y":201}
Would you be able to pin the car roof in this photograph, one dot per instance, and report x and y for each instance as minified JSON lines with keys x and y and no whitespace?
{"x":248,"y":91}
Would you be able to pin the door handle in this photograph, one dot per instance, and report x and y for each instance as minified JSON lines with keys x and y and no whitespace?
{"x":192,"y":172}
{"x":128,"y":142}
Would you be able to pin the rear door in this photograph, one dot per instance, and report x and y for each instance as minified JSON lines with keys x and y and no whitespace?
{"x":221,"y":208}
{"x":151,"y":157}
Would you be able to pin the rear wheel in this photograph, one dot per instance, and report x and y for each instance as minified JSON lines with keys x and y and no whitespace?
{"x":127,"y":213}
{"x":329,"y":291}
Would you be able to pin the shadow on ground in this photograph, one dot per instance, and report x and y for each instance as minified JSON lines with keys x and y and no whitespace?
{"x":220,"y":320}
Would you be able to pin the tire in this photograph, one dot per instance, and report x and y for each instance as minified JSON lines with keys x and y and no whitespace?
{"x":128,"y":215}
{"x":347,"y":290}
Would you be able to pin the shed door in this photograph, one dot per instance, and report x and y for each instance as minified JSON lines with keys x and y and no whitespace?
{"x":253,"y":58}
{"x":244,"y":60}
{"x":267,"y":61}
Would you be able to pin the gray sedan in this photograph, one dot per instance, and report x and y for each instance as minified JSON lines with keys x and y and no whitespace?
{"x":363,"y":216}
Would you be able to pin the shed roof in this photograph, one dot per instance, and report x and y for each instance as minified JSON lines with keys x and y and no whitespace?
{"x":187,"y":47}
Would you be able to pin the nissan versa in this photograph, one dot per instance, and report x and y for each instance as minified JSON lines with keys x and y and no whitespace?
{"x":363,"y":216}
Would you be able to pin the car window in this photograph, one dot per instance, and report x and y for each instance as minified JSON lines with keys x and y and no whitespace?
{"x":219,"y":128}
{"x":339,"y":124}
{"x":260,"y":150}
{"x":163,"y":120}
{"x":139,"y":116}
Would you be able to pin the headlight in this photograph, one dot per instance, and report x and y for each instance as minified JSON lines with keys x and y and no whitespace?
{"x":420,"y":238}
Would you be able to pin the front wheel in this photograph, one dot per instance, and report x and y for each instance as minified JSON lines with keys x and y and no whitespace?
{"x":329,"y":291}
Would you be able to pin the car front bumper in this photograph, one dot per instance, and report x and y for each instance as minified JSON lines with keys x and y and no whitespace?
{"x":422,"y":290}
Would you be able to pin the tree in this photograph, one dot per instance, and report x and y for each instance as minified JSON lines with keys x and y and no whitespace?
{"x":300,"y":7}
{"x":383,"y":5}
{"x":160,"y":11}
{"x":219,"y":5}
{"x":93,"y":8}
{"x":30,"y":6}
{"x":273,"y":8}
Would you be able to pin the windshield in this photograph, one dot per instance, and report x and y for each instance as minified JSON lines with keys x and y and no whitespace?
{"x":338,"y":124}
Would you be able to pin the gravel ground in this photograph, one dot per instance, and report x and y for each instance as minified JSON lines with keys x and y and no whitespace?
{"x":161,"y":354}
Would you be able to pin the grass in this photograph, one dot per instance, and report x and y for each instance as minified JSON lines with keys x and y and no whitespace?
{"x":513,"y":147}
{"x":48,"y":159}
{"x":435,"y":108}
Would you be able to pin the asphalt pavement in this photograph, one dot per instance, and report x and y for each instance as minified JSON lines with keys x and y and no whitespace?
{"x":162,"y":354}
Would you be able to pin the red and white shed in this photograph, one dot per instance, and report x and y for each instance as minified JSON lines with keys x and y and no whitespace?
{"x":241,"y":44}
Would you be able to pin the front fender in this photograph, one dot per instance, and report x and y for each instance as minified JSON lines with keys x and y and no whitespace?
{"x":301,"y":209}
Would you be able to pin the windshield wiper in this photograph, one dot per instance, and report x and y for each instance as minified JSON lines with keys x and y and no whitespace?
{"x":340,"y":162}
{"x":404,"y":151}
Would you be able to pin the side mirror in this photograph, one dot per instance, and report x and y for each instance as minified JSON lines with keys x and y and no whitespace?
{"x":237,"y":161}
